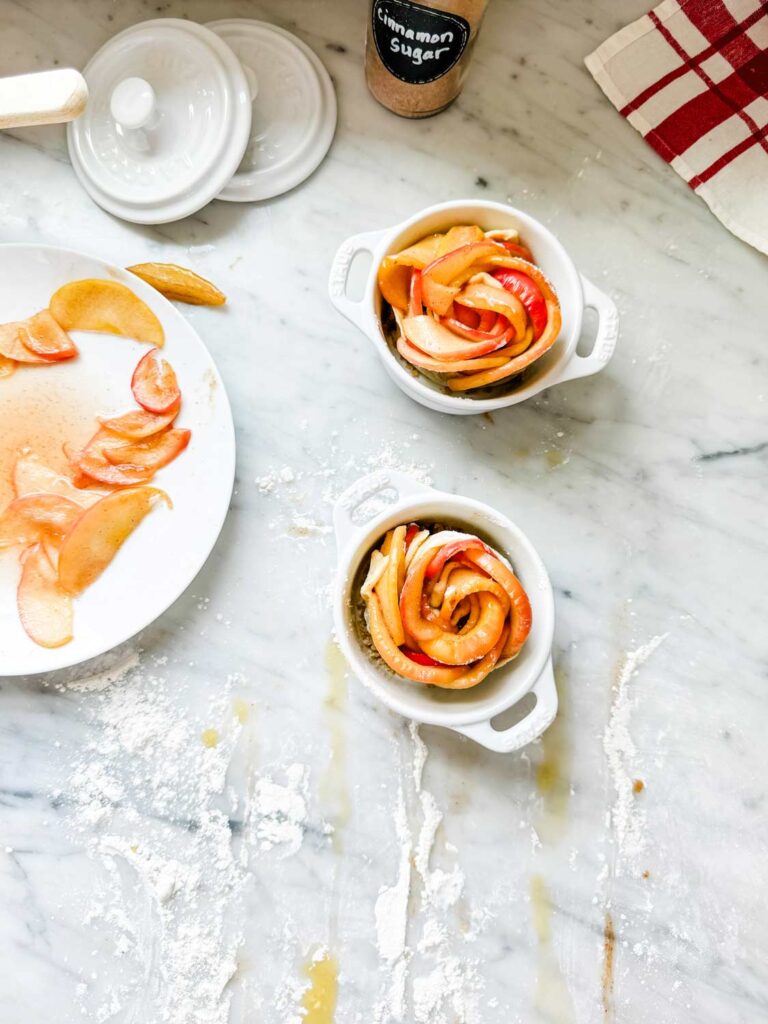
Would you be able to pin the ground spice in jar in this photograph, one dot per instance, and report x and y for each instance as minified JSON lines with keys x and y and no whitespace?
{"x":417,"y":54}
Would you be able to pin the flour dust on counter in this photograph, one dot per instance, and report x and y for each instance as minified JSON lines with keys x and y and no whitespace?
{"x":627,"y":820}
{"x":172,"y":845}
{"x":417,"y":917}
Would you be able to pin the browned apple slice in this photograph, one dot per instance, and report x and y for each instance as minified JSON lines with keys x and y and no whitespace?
{"x":12,"y":346}
{"x":460,"y":234}
{"x":440,"y":279}
{"x":44,"y":337}
{"x":92,"y":464}
{"x":33,"y":477}
{"x":95,"y":304}
{"x":140,"y":424}
{"x":44,"y":609}
{"x":30,"y":519}
{"x":175,"y":282}
{"x":99,"y":533}
{"x":152,"y":454}
{"x":154,"y":384}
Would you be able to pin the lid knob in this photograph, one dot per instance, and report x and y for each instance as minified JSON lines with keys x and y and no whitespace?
{"x":133,"y":104}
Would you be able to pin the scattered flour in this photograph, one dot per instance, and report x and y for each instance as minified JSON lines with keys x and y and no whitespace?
{"x":626,"y":818}
{"x":279,"y":812}
{"x":154,"y":812}
{"x":426,"y":982}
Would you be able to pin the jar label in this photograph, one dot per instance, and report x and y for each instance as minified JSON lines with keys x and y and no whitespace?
{"x":417,"y":44}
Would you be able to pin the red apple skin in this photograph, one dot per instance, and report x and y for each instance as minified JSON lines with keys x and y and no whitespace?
{"x":422,"y":659}
{"x":154,"y":383}
{"x":447,"y":552}
{"x":529,"y":293}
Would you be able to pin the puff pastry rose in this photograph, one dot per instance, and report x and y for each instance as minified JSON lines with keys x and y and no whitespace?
{"x":470,"y":305}
{"x":442,"y":607}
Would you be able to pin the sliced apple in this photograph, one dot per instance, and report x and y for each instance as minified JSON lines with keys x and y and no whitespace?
{"x":180,"y":284}
{"x":7,"y":366}
{"x":29,"y":519}
{"x":45,"y":609}
{"x":99,"y":533}
{"x":92,"y":464}
{"x":418,"y":358}
{"x":483,"y":292}
{"x":436,"y":340}
{"x":32,"y":477}
{"x":97,"y":304}
{"x":388,"y":587}
{"x":447,"y":551}
{"x":521,"y":613}
{"x":394,"y":273}
{"x":152,"y":454}
{"x":442,"y":278}
{"x":532,"y":352}
{"x":140,"y":424}
{"x":44,"y":337}
{"x":394,"y":281}
{"x":12,"y":347}
{"x":154,"y":384}
{"x":460,"y":234}
{"x":399,"y":662}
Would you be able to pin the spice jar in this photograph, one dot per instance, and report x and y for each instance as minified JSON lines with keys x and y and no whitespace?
{"x":417,"y":54}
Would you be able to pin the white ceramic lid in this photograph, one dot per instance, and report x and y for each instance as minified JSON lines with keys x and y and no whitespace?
{"x":294,"y":109}
{"x":167,"y":123}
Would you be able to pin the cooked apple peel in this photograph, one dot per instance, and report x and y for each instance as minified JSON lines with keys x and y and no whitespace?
{"x":448,"y":612}
{"x":470,"y":306}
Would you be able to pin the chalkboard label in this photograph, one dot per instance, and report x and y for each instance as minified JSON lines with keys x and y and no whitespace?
{"x":417,"y":44}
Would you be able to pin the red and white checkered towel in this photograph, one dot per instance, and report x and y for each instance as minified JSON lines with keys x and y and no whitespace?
{"x":692,"y":77}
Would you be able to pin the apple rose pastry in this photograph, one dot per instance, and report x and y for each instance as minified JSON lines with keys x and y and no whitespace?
{"x":442,"y":607}
{"x":470,"y":306}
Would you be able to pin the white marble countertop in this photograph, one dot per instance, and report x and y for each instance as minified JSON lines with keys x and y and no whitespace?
{"x":146,"y":877}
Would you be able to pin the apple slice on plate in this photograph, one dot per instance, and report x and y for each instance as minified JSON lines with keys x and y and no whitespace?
{"x":34,"y":517}
{"x":45,"y":609}
{"x":152,"y":454}
{"x":140,"y":424}
{"x":92,"y":464}
{"x":96,"y":304}
{"x":33,"y":477}
{"x":154,"y":384}
{"x":99,"y":533}
{"x":43,"y":336}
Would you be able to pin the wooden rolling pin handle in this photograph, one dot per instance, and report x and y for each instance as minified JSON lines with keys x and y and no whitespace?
{"x":44,"y":97}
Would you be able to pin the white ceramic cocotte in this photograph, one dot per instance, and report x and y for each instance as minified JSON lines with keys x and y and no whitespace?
{"x":360,"y":522}
{"x":575,"y":292}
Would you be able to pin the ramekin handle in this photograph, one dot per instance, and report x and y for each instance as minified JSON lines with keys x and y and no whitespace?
{"x":368,"y":487}
{"x":337,"y":280}
{"x":605,"y":340}
{"x":530,"y":728}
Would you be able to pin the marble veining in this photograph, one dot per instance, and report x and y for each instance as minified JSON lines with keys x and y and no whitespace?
{"x":613,"y":871}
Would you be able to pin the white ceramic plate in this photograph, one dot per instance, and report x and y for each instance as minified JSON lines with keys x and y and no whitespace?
{"x":162,"y":557}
